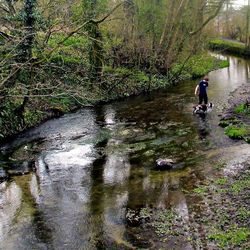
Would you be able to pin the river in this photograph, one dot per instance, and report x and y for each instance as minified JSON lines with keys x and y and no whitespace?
{"x":95,"y":165}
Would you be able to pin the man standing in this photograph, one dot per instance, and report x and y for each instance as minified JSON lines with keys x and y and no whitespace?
{"x":201,"y":90}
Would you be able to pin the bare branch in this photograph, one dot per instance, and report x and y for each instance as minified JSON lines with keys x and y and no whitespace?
{"x":209,"y":18}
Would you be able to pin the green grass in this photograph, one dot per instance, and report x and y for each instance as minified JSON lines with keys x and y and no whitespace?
{"x":236,"y":132}
{"x":243,"y":214}
{"x":241,"y":109}
{"x":240,"y":185}
{"x":221,"y":181}
{"x":231,"y":238}
{"x":198,"y":65}
{"x":72,"y":51}
{"x":232,"y":47}
{"x":163,"y":222}
{"x":200,"y":190}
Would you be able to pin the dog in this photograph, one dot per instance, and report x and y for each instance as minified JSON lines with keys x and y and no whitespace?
{"x":202,"y":108}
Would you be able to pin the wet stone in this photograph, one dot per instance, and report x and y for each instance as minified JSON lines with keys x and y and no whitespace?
{"x":164,"y":164}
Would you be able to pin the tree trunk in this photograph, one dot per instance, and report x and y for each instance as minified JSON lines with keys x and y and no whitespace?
{"x":29,"y":34}
{"x":247,"y":24}
{"x":95,"y":38}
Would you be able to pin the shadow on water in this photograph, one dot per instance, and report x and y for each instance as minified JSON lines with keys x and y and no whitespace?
{"x":97,"y":165}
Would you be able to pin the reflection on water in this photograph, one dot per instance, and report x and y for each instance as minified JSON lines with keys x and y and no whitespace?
{"x":95,"y":164}
{"x":10,"y":203}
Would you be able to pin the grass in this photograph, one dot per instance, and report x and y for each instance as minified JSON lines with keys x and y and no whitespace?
{"x":243,"y":214}
{"x":242,"y":109}
{"x":240,"y":185}
{"x":72,"y":51}
{"x":236,"y":132}
{"x":231,"y":238}
{"x":198,"y":65}
{"x":232,"y":47}
{"x":163,"y":222}
{"x":220,"y":165}
{"x":200,"y":190}
{"x":221,"y":181}
{"x":234,"y":127}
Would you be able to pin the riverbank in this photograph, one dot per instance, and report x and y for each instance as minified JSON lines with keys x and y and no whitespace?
{"x":236,"y":118}
{"x":229,"y":46}
{"x":70,"y":89}
{"x":218,"y":219}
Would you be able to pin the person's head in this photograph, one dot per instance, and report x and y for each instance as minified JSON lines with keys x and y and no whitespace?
{"x":206,"y":78}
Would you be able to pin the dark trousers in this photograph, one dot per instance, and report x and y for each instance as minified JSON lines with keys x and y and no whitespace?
{"x":203,"y":97}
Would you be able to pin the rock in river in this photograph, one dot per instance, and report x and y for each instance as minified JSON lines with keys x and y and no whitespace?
{"x":163,"y":164}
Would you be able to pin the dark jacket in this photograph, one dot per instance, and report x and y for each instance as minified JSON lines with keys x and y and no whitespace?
{"x":203,"y":87}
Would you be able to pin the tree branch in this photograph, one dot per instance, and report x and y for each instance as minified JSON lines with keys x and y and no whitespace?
{"x":208,"y":19}
{"x":110,"y":13}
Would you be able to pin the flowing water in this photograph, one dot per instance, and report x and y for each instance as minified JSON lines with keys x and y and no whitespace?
{"x":95,"y":165}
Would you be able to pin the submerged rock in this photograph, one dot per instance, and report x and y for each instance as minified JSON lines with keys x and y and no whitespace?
{"x":20,"y":168}
{"x":163,"y":164}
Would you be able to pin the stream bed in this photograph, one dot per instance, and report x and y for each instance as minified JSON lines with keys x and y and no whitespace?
{"x":95,"y":169}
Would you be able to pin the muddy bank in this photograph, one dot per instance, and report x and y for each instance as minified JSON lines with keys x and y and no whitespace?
{"x":236,"y":118}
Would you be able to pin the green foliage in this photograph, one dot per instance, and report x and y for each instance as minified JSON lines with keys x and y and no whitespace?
{"x":239,"y":109}
{"x":63,"y":103}
{"x":236,"y":132}
{"x":220,"y":165}
{"x":74,"y":42}
{"x":9,"y":122}
{"x":229,"y":46}
{"x":197,"y":66}
{"x":33,"y":117}
{"x":163,"y":222}
{"x":231,"y":238}
{"x":243,"y":214}
{"x":145,"y":213}
{"x":72,"y":51}
{"x":221,"y":181}
{"x":242,"y":109}
{"x":240,"y":185}
{"x":133,"y":74}
{"x":201,"y":190}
